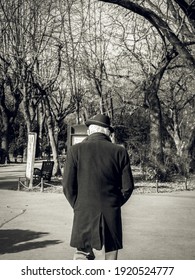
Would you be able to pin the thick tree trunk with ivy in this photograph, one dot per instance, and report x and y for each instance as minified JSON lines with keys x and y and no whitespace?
{"x":8,"y":112}
{"x":156,"y":147}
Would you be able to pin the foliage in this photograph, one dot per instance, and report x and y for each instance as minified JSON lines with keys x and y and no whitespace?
{"x":133,"y":132}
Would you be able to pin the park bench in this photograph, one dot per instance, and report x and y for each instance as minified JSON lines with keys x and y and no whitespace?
{"x":41,"y":176}
{"x":45,"y":172}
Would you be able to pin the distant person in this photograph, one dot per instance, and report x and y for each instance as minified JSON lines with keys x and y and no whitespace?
{"x":97,"y":181}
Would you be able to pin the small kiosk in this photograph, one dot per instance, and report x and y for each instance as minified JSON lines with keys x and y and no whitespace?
{"x":76,"y":134}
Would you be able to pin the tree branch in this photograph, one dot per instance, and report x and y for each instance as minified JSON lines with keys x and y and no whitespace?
{"x":188,"y":9}
{"x":160,"y":24}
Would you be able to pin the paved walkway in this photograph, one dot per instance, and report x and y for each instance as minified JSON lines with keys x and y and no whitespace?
{"x":35,"y":225}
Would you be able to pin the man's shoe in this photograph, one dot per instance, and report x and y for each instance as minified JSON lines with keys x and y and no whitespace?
{"x":81,"y":255}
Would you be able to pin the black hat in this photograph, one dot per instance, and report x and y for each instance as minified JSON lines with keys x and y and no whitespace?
{"x":101,"y":120}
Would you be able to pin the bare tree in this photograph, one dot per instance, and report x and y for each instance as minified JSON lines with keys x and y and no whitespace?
{"x":97,"y":55}
{"x":71,"y":15}
{"x":163,"y":19}
{"x":141,"y":46}
{"x":33,"y":53}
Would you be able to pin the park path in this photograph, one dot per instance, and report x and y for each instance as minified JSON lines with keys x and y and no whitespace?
{"x":10,"y":173}
{"x":35,"y":225}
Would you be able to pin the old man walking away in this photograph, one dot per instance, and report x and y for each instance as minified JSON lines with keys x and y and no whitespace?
{"x":97,"y":181}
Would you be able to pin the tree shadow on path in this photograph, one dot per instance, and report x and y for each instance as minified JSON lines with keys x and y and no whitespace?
{"x":17,"y":240}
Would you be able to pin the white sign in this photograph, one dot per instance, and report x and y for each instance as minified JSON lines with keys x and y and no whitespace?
{"x":32,"y":137}
{"x":77,"y":139}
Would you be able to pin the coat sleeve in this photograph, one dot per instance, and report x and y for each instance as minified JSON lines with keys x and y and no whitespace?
{"x":69,"y":181}
{"x":127,"y":179}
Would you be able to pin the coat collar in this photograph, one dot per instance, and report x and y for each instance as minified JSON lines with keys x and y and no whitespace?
{"x":98,"y":136}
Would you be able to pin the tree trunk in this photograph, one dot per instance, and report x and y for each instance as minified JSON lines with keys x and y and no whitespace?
{"x":4,"y":134}
{"x":156,"y":148}
{"x":40,"y":118}
{"x":56,"y":170}
{"x":53,"y":143}
{"x":182,"y":144}
{"x":77,"y":103}
{"x":25,"y":104}
{"x":8,"y":115}
{"x":102,"y":110}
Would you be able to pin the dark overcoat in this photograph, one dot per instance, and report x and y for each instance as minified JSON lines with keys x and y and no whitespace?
{"x":97,"y":181}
